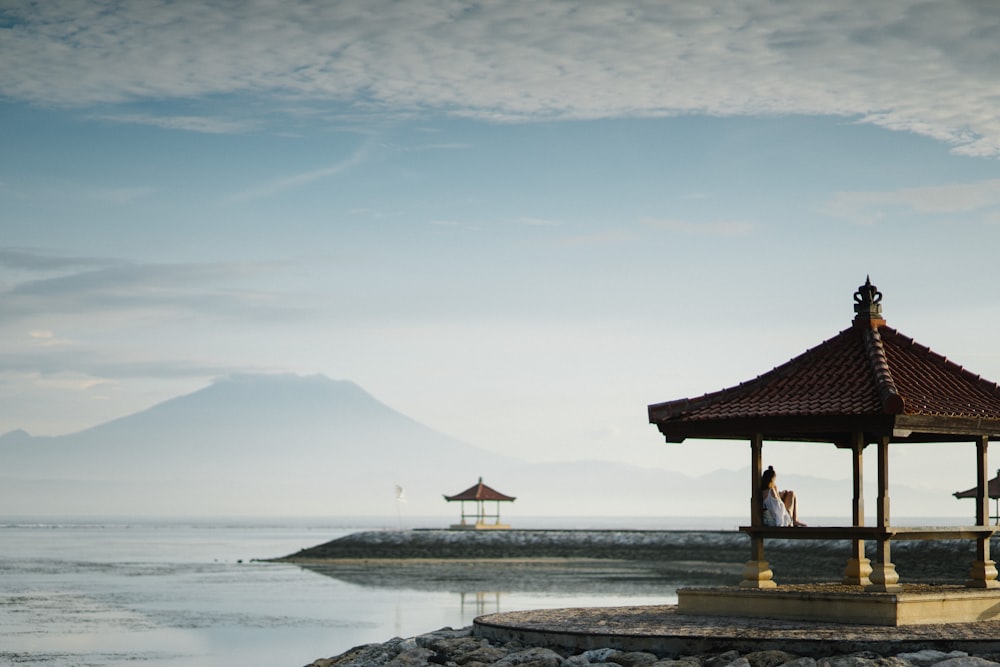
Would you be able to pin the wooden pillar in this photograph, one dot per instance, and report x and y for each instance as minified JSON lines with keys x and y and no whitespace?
{"x":757,"y":572}
{"x":984,"y":571}
{"x":858,"y":566}
{"x":883,"y":577}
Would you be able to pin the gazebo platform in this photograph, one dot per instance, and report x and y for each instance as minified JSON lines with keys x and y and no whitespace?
{"x":915,"y":604}
{"x":479,"y":525}
{"x":665,"y":631}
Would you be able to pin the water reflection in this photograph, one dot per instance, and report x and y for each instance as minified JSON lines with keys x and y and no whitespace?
{"x":479,"y":603}
{"x":480,"y":579}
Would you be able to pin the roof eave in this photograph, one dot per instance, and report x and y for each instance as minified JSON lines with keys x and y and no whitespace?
{"x":798,"y":428}
{"x":834,"y":428}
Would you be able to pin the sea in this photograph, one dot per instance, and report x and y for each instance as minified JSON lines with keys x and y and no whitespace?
{"x":193,"y":593}
{"x":167,"y":593}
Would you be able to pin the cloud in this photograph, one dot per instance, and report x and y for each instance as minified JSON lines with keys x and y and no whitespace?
{"x":206,"y":125}
{"x":33,"y":261}
{"x":87,"y":367}
{"x":718,"y":228}
{"x":982,"y":197}
{"x":86,"y":287}
{"x":285,"y":183}
{"x":46,"y":338}
{"x":917,"y":66}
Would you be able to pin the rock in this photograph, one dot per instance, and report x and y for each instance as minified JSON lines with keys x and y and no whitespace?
{"x":966,"y":661}
{"x":531,"y":657}
{"x":414,"y":657}
{"x":689,"y":661}
{"x":929,"y":657}
{"x":601,"y":655}
{"x":801,"y":662}
{"x":863,"y":659}
{"x":635,"y":659}
{"x":768,"y":658}
{"x":368,"y":655}
{"x":723,"y":659}
{"x":456,"y":648}
{"x":485,"y":654}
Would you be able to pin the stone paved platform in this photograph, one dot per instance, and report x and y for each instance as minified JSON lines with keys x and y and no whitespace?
{"x":661,"y":630}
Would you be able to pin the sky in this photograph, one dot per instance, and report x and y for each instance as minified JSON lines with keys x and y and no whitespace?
{"x":519,"y":223}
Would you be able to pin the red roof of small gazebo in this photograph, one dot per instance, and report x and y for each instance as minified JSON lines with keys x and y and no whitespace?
{"x":480,"y":492}
{"x":868,"y":377}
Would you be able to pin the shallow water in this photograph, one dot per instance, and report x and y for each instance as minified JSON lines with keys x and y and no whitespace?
{"x":168,"y":594}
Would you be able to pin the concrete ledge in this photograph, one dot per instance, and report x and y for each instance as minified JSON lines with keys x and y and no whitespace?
{"x":916,"y":604}
{"x":664,"y":631}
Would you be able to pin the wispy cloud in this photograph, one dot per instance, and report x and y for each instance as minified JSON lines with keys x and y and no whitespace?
{"x":285,"y":183}
{"x":60,"y":287}
{"x":34,"y":261}
{"x":915,"y":65}
{"x":204,"y":124}
{"x":982,"y":197}
{"x":715,"y":228}
{"x":46,"y":338}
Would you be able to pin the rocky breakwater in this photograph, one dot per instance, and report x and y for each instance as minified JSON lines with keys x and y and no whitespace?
{"x":460,"y":648}
{"x":686,"y":556}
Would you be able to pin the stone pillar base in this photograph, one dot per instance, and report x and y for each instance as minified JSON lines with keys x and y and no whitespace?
{"x":884,"y":579}
{"x":757,"y":574}
{"x":858,"y":572}
{"x":983,"y":575}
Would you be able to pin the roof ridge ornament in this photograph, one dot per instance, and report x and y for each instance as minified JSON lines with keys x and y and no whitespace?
{"x":868,"y":304}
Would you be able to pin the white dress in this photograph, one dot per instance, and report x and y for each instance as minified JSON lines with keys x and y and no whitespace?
{"x":775,"y":512}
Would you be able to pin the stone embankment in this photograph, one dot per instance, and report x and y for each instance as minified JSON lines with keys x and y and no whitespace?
{"x":942,"y":561}
{"x":459,"y":648}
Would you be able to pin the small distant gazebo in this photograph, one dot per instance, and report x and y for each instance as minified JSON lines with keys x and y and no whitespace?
{"x":994,"y":493}
{"x":480,"y":494}
{"x":868,"y":385}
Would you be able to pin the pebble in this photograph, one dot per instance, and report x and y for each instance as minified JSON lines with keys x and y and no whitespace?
{"x":459,"y":648}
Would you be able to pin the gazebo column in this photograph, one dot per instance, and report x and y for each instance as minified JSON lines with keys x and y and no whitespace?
{"x":757,"y":572}
{"x":984,"y":571}
{"x":884,"y":578}
{"x":858,"y":566}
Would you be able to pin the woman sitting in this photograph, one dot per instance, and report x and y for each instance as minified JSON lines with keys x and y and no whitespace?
{"x":780,"y":507}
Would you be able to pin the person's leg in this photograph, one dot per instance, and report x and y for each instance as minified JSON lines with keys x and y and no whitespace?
{"x":792,"y":505}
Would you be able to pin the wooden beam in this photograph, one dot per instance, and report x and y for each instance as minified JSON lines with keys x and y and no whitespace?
{"x":858,"y":475}
{"x":756,"y":572}
{"x":756,"y":472}
{"x":884,"y":578}
{"x":984,"y":571}
{"x":982,"y":481}
{"x":859,"y":567}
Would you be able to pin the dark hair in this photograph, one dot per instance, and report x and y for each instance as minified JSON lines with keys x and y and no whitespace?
{"x":767,"y":477}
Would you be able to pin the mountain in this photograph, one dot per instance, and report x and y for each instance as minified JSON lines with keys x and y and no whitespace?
{"x":250,"y":444}
{"x":288,"y":445}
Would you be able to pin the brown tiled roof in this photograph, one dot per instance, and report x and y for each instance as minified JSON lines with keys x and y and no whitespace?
{"x":479,"y":492}
{"x":868,"y":374}
{"x":992,"y":488}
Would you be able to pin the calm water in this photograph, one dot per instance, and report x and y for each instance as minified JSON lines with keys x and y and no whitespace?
{"x":167,"y":594}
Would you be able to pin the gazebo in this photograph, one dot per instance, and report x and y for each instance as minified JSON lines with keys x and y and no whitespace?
{"x":480,"y":494}
{"x":867,"y":385}
{"x":993,"y":491}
